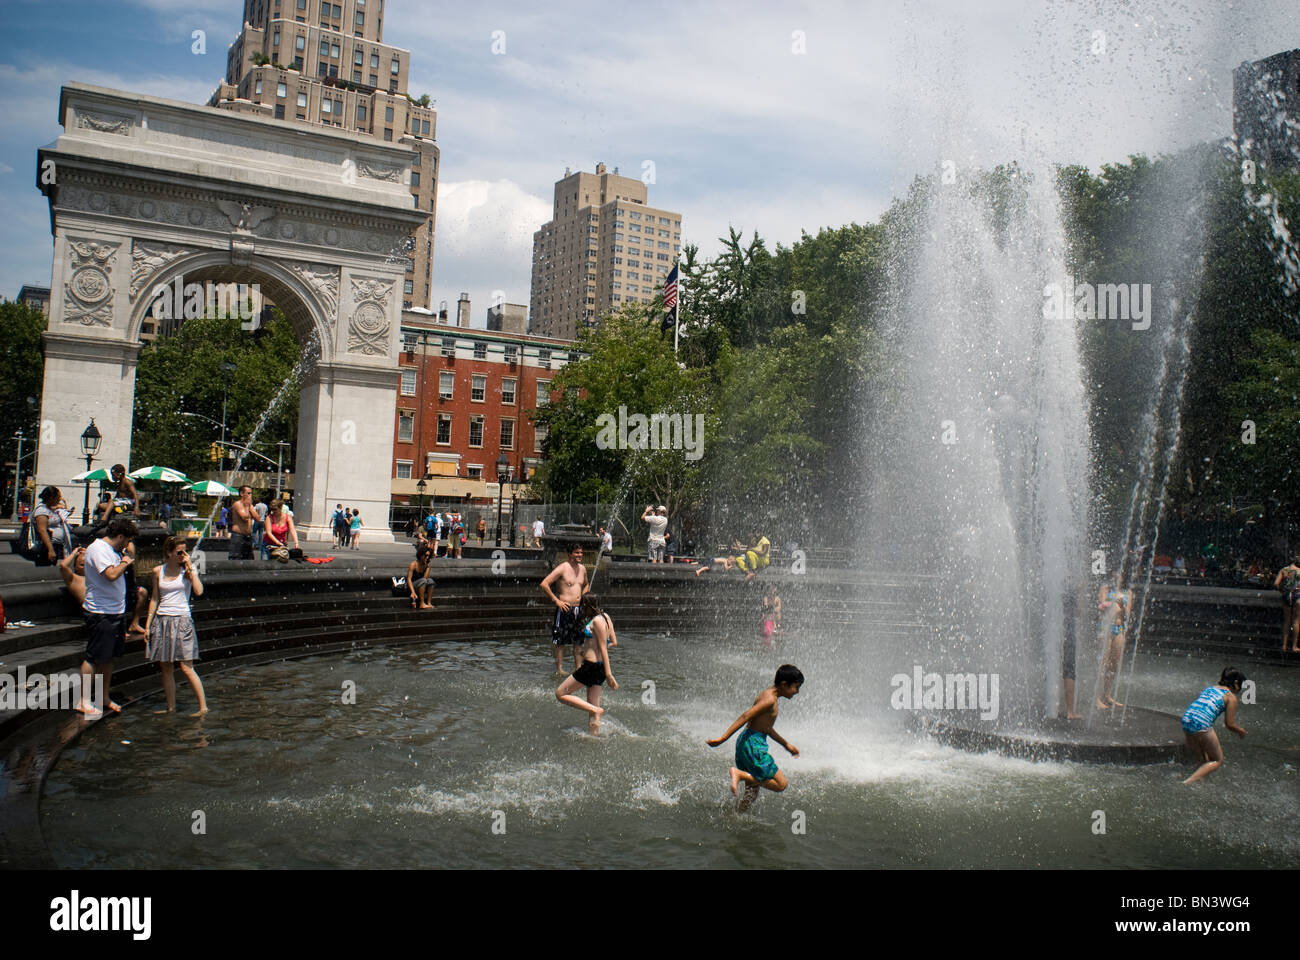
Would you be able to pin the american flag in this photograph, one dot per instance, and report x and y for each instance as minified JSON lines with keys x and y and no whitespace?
{"x":670,"y":289}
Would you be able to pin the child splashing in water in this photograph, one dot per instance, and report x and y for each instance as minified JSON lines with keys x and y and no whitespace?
{"x":1198,"y":721}
{"x":594,"y":666}
{"x":754,"y":765}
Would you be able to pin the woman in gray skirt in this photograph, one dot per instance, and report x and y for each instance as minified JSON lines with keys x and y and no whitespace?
{"x":170,"y":630}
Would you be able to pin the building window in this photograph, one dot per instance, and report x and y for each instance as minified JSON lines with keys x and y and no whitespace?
{"x":476,"y":431}
{"x":397,"y":67}
{"x":408,"y":342}
{"x":388,"y":114}
{"x":358,"y":58}
{"x":324,"y":48}
{"x":405,"y":425}
{"x":325,"y":10}
{"x":361,"y":19}
{"x":480,"y":351}
{"x":388,"y":134}
{"x":300,"y":43}
{"x":446,"y":384}
{"x":326,"y":106}
{"x":415,"y":178}
{"x":474,"y":471}
{"x":275,"y":39}
{"x":404,"y":469}
{"x":543,"y":393}
{"x":444,"y":429}
{"x":281,"y":90}
{"x":374,"y":61}
{"x":407,"y":287}
{"x":508,"y":389}
{"x":257,"y":86}
{"x":544,"y":359}
{"x":507,"y":434}
{"x":361,"y":113}
{"x":540,"y":432}
{"x":448,"y":346}
{"x":408,"y":383}
{"x":478,"y":388}
{"x":512,"y":354}
{"x":279,"y":111}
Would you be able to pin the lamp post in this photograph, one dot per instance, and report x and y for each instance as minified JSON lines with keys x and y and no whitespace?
{"x":421,"y":486}
{"x":227,"y":368}
{"x":503,"y":474}
{"x":520,"y":477}
{"x":18,"y":471}
{"x":90,"y":441}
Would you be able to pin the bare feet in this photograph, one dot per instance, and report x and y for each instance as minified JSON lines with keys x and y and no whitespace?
{"x":199,"y":713}
{"x":426,"y":606}
{"x":1115,"y":703}
{"x":1074,"y":716}
{"x":735,"y":780}
{"x":114,"y":707}
{"x":1103,"y":705}
{"x":157,"y":713}
{"x":701,"y":570}
{"x":90,"y":710}
{"x":135,"y":631}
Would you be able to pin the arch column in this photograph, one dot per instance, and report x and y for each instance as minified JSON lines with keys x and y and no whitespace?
{"x":345,"y":428}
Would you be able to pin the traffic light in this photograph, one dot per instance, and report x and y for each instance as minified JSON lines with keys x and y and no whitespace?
{"x":212,"y":453}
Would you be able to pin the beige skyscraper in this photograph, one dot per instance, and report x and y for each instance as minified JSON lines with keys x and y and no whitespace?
{"x":603,"y":248}
{"x":318,"y":62}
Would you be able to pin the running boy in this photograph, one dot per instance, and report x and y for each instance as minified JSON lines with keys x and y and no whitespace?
{"x":754,"y":764}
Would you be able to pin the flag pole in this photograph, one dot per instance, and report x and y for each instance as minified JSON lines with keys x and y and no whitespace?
{"x":677,"y":304}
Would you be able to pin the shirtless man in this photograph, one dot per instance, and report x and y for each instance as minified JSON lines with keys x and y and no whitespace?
{"x":566,"y":630}
{"x":754,"y":765}
{"x":241,"y":526}
{"x":123,"y":497}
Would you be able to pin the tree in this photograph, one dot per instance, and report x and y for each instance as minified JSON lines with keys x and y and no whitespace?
{"x":182,"y":373}
{"x":22,"y":370}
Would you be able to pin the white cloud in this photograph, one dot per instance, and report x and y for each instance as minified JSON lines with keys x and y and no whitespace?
{"x":483,"y":241}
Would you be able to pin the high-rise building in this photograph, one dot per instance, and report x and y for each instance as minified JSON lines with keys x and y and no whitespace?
{"x":1266,"y":108}
{"x":603,"y":248}
{"x":318,"y":62}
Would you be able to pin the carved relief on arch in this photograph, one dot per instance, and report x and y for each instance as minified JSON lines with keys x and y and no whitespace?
{"x":88,"y":292}
{"x":323,"y":281}
{"x":368,"y":326}
{"x":147,"y":259}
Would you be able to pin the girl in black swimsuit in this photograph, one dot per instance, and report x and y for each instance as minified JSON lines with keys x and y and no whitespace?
{"x":595,"y":668}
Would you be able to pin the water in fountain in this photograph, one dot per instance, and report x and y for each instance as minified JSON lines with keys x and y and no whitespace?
{"x":988,"y":412}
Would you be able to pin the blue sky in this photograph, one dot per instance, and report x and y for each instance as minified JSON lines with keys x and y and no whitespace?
{"x":741,"y":127}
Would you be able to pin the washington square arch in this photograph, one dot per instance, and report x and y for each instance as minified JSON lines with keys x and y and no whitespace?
{"x":143,"y":191}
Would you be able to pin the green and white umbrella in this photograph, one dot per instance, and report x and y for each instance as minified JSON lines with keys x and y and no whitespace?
{"x":163,"y":474}
{"x":99,"y":473}
{"x":211,"y":488}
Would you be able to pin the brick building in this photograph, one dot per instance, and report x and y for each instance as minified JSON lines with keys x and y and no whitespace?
{"x":464,"y":398}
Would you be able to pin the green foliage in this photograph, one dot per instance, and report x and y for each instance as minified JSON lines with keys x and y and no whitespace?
{"x":182,"y":373}
{"x":21,"y":372}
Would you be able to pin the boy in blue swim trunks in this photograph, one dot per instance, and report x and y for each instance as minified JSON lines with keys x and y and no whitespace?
{"x":754,"y":765}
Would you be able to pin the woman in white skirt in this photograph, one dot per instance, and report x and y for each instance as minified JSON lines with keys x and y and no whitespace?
{"x":170,"y":629}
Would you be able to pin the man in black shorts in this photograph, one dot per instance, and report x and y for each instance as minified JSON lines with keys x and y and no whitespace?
{"x":241,"y":526}
{"x":566,"y":629}
{"x":104,"y":606}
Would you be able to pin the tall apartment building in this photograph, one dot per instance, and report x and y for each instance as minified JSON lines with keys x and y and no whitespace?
{"x":1266,"y":108}
{"x":318,"y":62}
{"x":603,"y":248}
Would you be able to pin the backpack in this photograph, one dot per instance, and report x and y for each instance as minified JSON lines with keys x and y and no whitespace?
{"x":30,"y":546}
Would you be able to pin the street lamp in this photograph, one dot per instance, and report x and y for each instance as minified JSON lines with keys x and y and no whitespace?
{"x":18,"y":471}
{"x":521,"y":477}
{"x":90,"y":441}
{"x":227,"y":368}
{"x":421,"y":485}
{"x":503,"y":474}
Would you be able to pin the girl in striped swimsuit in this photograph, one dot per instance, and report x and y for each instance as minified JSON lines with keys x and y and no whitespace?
{"x":1198,"y":721}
